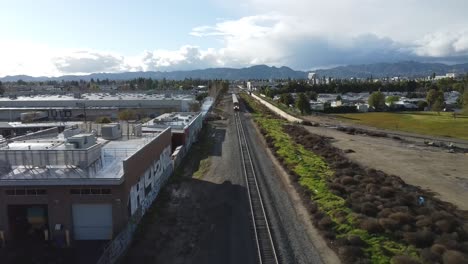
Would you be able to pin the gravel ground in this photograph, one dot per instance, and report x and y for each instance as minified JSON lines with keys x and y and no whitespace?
{"x":291,"y":234}
{"x":205,"y":220}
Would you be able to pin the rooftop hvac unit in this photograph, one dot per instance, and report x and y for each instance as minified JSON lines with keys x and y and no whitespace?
{"x":70,"y":132}
{"x":111,"y":131}
{"x":82,"y":141}
{"x":137,"y":130}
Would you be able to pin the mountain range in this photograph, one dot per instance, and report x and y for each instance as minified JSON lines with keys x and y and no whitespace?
{"x":376,"y":70}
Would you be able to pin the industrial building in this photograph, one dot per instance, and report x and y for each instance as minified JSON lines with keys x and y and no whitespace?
{"x":185,"y":127}
{"x":12,"y":129}
{"x":90,"y":106}
{"x":76,"y":186}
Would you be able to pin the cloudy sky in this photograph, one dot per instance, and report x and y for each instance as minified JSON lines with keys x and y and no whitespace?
{"x":57,"y":37}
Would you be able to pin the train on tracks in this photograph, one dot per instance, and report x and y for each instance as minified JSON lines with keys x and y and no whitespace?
{"x":235,"y":102}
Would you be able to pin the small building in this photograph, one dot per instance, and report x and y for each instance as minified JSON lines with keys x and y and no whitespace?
{"x":185,"y":127}
{"x":316,"y":106}
{"x":362,"y":108}
{"x":336,"y":103}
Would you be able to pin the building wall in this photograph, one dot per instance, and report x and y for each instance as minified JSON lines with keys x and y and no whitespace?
{"x":191,"y":132}
{"x":91,"y":113}
{"x":59,"y":202}
{"x":143,"y":171}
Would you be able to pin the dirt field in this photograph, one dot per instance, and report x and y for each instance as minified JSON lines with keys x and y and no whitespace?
{"x":431,"y":168}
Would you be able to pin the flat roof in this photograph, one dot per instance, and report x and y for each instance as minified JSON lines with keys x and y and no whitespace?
{"x":109,"y":173}
{"x":176,"y":120}
{"x":100,"y":96}
{"x":37,"y":124}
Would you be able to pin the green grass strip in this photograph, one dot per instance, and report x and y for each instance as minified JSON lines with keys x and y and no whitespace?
{"x":313,"y":173}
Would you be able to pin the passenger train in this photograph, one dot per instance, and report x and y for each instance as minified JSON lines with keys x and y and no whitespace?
{"x":235,"y":102}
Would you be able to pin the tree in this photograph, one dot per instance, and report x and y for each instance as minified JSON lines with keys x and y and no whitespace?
{"x":312,"y":95}
{"x":103,"y":120}
{"x":435,"y":99}
{"x":194,"y":107}
{"x":201,"y":96}
{"x":464,"y":101}
{"x":286,"y":99}
{"x":2,"y":90}
{"x":148,"y":84}
{"x":338,"y":98}
{"x":268,"y":92}
{"x":422,"y":105}
{"x":377,"y":101}
{"x":303,"y":104}
{"x":438,"y":105}
{"x":392,"y":99}
{"x":127,"y":114}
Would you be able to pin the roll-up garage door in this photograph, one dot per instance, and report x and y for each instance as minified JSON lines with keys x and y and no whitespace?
{"x":92,"y":221}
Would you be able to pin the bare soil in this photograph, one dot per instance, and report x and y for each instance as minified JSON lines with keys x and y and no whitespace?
{"x":432,"y":169}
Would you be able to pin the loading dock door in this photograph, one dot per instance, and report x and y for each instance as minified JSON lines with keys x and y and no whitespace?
{"x":92,"y":221}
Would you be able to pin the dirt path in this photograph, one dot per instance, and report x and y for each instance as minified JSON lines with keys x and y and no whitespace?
{"x":433,"y":169}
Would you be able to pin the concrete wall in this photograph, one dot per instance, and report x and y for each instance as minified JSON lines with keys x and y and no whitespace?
{"x":278,"y":111}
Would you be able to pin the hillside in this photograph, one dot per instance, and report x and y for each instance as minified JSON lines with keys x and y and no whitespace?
{"x":376,"y":70}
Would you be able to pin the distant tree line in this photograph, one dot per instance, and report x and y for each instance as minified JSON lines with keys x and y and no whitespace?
{"x":136,"y":84}
{"x":411,"y":87}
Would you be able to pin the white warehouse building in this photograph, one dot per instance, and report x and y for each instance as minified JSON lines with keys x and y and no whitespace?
{"x":92,"y":105}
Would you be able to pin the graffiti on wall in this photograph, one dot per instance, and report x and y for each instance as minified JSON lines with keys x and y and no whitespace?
{"x":142,"y":195}
{"x":151,"y":180}
{"x":192,"y":131}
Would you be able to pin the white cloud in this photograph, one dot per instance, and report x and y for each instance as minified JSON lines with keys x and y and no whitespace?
{"x":23,"y":58}
{"x":185,"y":58}
{"x":303,"y":34}
{"x":443,"y":44}
{"x":82,"y":62}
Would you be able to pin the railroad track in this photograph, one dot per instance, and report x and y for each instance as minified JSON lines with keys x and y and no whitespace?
{"x":264,"y":241}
